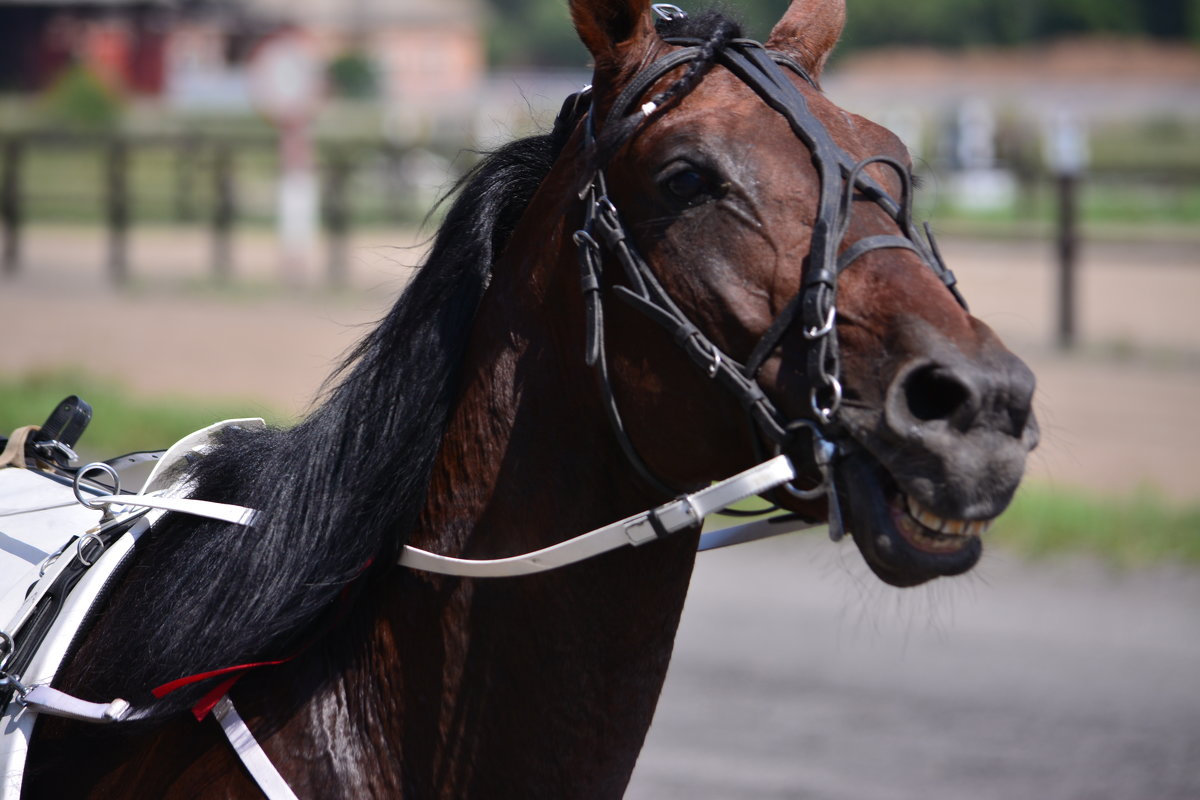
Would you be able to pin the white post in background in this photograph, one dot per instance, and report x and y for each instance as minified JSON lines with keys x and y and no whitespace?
{"x":979,"y":182}
{"x":1066,"y":152}
{"x":287,"y":83}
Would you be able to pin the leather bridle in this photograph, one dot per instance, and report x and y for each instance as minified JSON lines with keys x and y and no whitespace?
{"x":842,"y":179}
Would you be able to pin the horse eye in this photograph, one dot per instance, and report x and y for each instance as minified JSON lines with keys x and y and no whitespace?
{"x":687,"y":186}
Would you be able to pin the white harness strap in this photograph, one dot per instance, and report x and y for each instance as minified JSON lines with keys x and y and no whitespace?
{"x":250,"y":752}
{"x":647,"y":526}
{"x":225,"y":512}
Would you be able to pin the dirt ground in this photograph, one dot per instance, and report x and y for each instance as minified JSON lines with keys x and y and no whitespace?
{"x":1115,"y":414}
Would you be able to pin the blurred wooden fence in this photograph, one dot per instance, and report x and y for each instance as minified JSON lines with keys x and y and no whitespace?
{"x":219,"y":182}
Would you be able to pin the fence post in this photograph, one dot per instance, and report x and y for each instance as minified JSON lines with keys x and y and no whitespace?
{"x":224,"y":210}
{"x":337,"y":216}
{"x":185,"y":173}
{"x":118,"y":210}
{"x":10,"y":204}
{"x":1068,"y":250}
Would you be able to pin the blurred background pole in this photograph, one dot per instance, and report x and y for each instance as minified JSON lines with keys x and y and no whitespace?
{"x":10,"y":204}
{"x":337,"y":214}
{"x":118,"y":211}
{"x":224,"y":209}
{"x":185,"y":174}
{"x":1066,"y":155}
{"x":1067,"y":184}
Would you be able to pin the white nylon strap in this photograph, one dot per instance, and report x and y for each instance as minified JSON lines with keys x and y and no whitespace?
{"x":225,"y":512}
{"x":636,"y":530}
{"x":254,"y":759}
{"x":46,"y":700}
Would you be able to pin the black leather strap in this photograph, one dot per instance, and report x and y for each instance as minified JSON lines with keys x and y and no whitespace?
{"x":843,"y":181}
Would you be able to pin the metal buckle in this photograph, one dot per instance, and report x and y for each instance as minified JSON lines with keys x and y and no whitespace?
{"x":10,"y":682}
{"x":53,"y":448}
{"x":667,"y":12}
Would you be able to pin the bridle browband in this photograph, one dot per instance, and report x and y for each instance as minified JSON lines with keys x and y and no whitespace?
{"x":815,"y":305}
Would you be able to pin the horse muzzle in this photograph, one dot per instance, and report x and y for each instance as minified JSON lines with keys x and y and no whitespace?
{"x":929,"y":468}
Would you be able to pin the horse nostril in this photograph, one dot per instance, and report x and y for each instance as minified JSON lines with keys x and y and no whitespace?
{"x":934,"y":393}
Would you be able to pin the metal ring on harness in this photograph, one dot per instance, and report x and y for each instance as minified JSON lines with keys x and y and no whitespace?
{"x":826,"y":412}
{"x":90,"y":536}
{"x":102,"y":467}
{"x":823,"y":454}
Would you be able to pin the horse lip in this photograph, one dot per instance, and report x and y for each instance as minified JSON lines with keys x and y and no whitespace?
{"x":897,"y":548}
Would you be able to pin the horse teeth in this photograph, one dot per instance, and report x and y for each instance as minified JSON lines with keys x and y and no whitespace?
{"x":954,"y":527}
{"x":982,"y":526}
{"x":949,"y":527}
{"x":931,"y":521}
{"x":914,"y":508}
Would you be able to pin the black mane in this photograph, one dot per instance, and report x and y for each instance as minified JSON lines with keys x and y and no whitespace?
{"x":337,"y":492}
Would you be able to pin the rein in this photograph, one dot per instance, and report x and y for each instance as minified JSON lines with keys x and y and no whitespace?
{"x":815,"y":306}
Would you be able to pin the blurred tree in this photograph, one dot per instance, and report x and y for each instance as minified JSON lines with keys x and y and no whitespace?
{"x":352,"y":74}
{"x":957,"y":23}
{"x":79,"y":99}
{"x":533,"y":32}
{"x":1173,"y":19}
{"x":538,"y":32}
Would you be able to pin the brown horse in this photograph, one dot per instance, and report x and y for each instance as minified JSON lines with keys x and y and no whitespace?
{"x":752,"y":283}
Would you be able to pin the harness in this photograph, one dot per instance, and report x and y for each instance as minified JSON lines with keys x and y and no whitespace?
{"x":28,"y":664}
{"x":842,"y":178}
{"x":64,"y":541}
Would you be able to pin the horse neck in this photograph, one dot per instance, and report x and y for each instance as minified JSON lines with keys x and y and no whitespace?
{"x":547,"y":680}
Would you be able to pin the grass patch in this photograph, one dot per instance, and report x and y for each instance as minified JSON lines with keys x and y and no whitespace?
{"x":121,"y":422}
{"x":1137,"y":529}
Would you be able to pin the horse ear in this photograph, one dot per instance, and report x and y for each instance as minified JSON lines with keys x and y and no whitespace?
{"x":808,"y":30}
{"x":605,"y":25}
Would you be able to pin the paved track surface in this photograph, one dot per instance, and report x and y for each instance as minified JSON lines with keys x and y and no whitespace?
{"x":798,"y":675}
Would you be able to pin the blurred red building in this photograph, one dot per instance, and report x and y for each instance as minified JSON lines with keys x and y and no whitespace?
{"x":123,"y":42}
{"x":426,"y":52}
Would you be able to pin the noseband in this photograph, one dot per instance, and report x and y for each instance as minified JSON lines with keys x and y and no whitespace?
{"x":815,"y":305}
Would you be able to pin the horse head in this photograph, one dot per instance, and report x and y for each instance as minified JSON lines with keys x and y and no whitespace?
{"x":763,"y":288}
